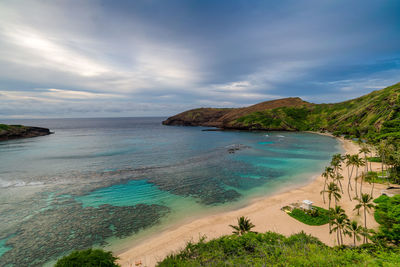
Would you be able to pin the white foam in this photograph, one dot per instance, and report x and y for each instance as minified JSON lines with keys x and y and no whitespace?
{"x":6,"y":184}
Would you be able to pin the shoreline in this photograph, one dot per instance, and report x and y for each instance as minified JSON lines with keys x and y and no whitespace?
{"x":264,"y":212}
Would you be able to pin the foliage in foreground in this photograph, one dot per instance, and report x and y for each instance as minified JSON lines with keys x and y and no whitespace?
{"x":317,"y":216}
{"x":387,"y":214}
{"x":252,"y":249}
{"x":88,"y":258}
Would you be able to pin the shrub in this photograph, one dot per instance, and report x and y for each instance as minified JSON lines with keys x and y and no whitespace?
{"x":88,"y":258}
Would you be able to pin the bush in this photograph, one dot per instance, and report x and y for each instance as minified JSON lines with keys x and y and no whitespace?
{"x":88,"y":258}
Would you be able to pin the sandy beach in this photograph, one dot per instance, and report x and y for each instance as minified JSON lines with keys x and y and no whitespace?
{"x":265,"y":213}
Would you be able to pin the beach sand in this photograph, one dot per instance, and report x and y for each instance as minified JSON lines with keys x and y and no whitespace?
{"x":264,"y":213}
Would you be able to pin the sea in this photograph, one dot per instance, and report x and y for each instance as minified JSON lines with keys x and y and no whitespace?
{"x":113,"y":182}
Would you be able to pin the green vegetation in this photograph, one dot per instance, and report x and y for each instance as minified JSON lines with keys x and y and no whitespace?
{"x":4,"y":127}
{"x":88,"y":258}
{"x":387,"y":214}
{"x":375,"y":116}
{"x":378,"y":178}
{"x":244,"y":226}
{"x":374,"y":159}
{"x":272,"y":249}
{"x":316,"y":216}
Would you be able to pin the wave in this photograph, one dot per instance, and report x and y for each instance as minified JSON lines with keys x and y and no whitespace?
{"x":7,"y":184}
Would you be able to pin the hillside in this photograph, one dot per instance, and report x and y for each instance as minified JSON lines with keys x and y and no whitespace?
{"x":373,"y":116}
{"x":8,"y":132}
{"x":220,"y":117}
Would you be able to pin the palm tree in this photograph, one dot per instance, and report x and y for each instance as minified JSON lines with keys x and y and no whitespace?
{"x":349,"y":161}
{"x":328,"y":173}
{"x":336,"y":163}
{"x":332,"y":190}
{"x":362,"y":177}
{"x":357,"y":162}
{"x":365,"y":150}
{"x":244,"y":226}
{"x":355,"y":230}
{"x":340,"y":221}
{"x":337,"y":178}
{"x":365,"y":202}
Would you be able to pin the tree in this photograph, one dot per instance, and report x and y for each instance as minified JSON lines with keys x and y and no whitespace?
{"x":89,"y":257}
{"x":349,"y":161}
{"x":365,"y":150}
{"x":332,"y":191}
{"x":358,"y":162}
{"x":328,"y":173}
{"x":340,"y":222}
{"x":244,"y":226}
{"x":365,"y":202}
{"x":336,"y":163}
{"x":338,"y":178}
{"x":355,"y":230}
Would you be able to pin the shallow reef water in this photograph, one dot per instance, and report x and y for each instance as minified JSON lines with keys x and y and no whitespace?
{"x":99,"y":180}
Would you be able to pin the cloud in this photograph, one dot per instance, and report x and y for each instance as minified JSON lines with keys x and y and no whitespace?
{"x":120,"y":58}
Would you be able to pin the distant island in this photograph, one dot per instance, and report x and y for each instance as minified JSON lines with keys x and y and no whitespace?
{"x":374,"y":116}
{"x":8,"y":132}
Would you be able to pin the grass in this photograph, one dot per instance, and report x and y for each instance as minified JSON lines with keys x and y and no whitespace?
{"x":321,"y":219}
{"x":374,"y":159}
{"x":4,"y":127}
{"x":377,"y":177}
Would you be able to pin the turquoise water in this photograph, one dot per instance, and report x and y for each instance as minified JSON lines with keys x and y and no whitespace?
{"x":105,"y":182}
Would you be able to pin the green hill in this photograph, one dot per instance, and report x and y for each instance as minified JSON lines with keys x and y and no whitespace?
{"x":373,"y":116}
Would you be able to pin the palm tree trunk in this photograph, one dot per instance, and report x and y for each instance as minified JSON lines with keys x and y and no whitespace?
{"x":341,"y":237}
{"x":354,"y":238}
{"x":355,"y":182}
{"x":351,"y":174}
{"x":370,"y":164}
{"x":337,"y":236}
{"x":323,"y":194}
{"x":365,"y":223}
{"x":361,"y":184}
{"x":372,"y":189}
{"x":329,"y":208}
{"x":340,"y":183}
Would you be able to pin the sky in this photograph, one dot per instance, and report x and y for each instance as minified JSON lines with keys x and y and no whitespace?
{"x":98,"y":58}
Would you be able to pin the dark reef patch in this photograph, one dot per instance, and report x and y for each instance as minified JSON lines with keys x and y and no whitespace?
{"x":69,"y":226}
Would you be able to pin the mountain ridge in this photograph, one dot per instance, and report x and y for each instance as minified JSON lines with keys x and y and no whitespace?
{"x":373,"y":116}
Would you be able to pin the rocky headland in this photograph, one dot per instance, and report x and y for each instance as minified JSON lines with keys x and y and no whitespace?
{"x":8,"y":132}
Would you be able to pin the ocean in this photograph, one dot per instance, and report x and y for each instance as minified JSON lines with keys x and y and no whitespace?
{"x":111,"y":182}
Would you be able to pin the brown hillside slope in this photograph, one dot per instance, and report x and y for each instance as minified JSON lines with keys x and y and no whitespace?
{"x":222,"y":117}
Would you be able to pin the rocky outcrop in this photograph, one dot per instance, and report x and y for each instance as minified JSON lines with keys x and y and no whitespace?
{"x":8,"y":132}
